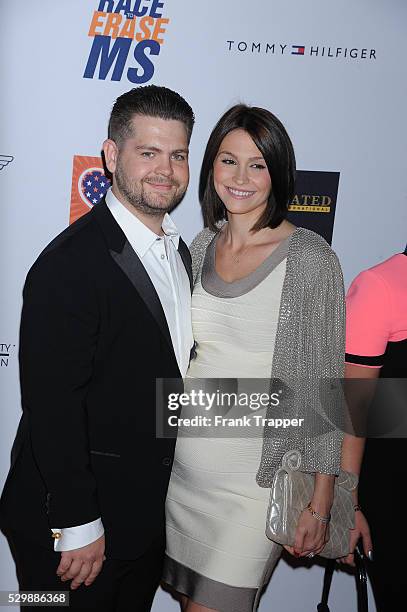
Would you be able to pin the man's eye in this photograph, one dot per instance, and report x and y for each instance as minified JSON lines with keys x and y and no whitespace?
{"x":147,"y":154}
{"x":178,"y":157}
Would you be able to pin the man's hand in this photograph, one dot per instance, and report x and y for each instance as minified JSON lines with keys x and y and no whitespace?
{"x":83,"y":564}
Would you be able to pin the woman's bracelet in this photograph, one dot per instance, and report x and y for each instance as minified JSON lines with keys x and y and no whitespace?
{"x":323,"y":519}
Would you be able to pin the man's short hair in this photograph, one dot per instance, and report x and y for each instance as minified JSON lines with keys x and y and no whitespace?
{"x":150,"y":101}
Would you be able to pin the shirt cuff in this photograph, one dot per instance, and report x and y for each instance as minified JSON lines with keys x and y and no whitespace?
{"x":77,"y":537}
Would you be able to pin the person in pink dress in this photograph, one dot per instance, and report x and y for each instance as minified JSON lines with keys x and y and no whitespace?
{"x":376,"y":347}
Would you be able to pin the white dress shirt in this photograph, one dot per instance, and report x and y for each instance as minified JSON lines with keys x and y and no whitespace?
{"x":159,"y":256}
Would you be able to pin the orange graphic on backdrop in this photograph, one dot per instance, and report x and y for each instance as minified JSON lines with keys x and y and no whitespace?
{"x":89,"y":185}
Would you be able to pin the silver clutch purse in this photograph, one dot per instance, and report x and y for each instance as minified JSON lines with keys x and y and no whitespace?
{"x":291,"y":492}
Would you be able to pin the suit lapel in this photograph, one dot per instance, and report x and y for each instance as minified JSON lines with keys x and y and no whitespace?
{"x":126,"y":259}
{"x":129,"y":262}
{"x":131,"y":265}
{"x":186,"y":258}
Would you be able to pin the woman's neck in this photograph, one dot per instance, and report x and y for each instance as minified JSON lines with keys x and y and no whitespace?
{"x":237,"y":231}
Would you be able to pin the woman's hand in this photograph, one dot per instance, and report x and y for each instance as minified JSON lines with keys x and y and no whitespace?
{"x":312,"y":534}
{"x":310,"y":537}
{"x":361,"y":530}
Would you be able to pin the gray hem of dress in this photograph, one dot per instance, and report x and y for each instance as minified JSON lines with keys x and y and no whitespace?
{"x":208,"y":592}
{"x":216,"y":286}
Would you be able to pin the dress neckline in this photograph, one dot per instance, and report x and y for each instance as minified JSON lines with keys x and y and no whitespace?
{"x":215,"y":285}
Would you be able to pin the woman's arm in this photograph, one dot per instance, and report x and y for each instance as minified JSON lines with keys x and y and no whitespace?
{"x":327,"y":333}
{"x":323,"y":496}
{"x":352,"y":455}
{"x":353,"y":446}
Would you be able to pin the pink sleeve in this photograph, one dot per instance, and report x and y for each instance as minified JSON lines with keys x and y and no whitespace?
{"x":367,"y":320}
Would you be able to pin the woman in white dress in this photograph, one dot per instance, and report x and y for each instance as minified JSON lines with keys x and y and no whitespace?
{"x":247,"y":264}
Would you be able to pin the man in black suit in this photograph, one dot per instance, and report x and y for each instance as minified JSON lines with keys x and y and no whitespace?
{"x":106,"y":311}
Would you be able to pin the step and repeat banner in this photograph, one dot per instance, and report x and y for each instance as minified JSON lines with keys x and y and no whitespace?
{"x":333,"y":71}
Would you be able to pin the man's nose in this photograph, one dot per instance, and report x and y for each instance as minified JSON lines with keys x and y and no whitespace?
{"x":164,"y":166}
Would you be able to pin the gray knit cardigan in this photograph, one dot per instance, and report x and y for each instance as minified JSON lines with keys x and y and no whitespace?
{"x":309,"y":355}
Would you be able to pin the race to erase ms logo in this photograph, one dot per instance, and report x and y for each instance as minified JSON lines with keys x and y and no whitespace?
{"x":125,"y":33}
{"x":89,"y":185}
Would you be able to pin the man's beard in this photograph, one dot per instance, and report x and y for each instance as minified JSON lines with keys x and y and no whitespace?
{"x":147,"y":204}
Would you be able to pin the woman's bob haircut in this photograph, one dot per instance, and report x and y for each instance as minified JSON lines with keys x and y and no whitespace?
{"x":272,"y":140}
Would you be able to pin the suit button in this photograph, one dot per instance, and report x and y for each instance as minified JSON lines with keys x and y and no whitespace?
{"x":166,"y":461}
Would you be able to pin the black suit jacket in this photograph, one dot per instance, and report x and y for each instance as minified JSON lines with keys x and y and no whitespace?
{"x":93,"y":339}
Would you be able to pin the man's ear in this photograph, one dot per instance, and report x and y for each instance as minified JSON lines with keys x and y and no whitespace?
{"x":111,"y":153}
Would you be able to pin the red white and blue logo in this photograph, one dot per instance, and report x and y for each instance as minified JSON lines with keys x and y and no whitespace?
{"x":93,"y":185}
{"x":89,"y":184}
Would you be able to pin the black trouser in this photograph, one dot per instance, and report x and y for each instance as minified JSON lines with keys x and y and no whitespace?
{"x":381,"y":492}
{"x":121,"y":586}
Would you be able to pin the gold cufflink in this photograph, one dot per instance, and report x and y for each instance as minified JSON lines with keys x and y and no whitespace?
{"x":56,"y":535}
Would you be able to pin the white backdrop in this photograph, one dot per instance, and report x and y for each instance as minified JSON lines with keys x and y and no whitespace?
{"x":344,"y":114}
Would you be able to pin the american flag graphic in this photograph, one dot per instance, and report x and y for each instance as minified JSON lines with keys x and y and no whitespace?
{"x":89,"y":184}
{"x":94,"y":186}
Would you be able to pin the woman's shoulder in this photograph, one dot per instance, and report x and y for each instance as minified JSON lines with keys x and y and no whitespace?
{"x":312,"y":258}
{"x":204,"y":237}
{"x":198,"y":248}
{"x":308,"y":240}
{"x":310,"y":247}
